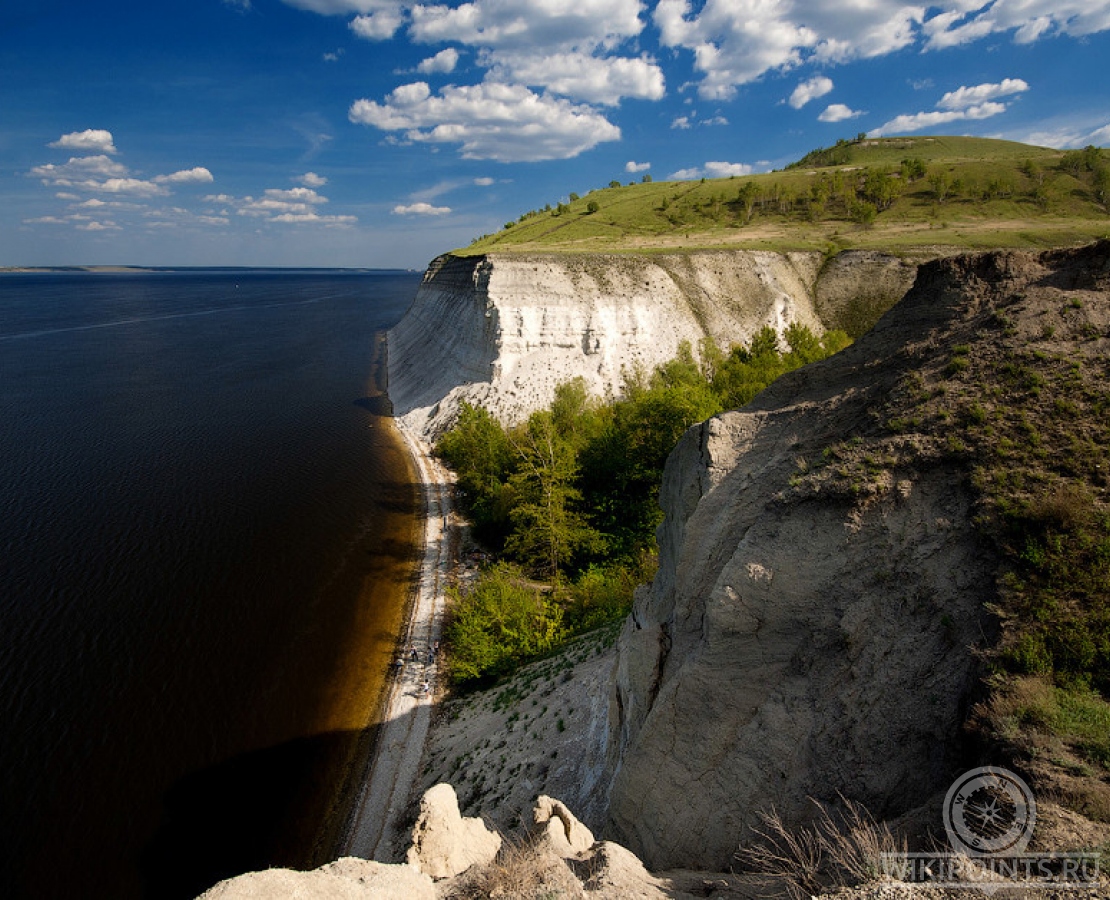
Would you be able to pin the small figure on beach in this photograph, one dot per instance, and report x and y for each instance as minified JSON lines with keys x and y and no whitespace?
{"x":412,"y":652}
{"x":426,"y":688}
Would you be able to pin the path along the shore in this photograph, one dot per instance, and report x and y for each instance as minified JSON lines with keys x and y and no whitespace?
{"x":408,"y":710}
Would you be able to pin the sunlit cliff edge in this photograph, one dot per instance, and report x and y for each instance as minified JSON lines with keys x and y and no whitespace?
{"x":504,"y":330}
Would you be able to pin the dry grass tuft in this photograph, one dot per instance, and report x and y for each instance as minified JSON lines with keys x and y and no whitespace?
{"x":842,"y":847}
{"x":522,"y":871}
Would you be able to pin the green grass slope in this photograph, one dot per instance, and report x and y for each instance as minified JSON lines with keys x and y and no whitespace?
{"x":897,"y":194}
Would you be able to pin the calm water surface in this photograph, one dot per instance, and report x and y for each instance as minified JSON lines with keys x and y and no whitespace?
{"x":201,"y":512}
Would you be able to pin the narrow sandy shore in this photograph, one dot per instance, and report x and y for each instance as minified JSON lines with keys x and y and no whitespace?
{"x":407,"y":712}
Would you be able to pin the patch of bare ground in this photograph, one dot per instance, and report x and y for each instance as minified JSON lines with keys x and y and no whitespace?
{"x":541,"y":731}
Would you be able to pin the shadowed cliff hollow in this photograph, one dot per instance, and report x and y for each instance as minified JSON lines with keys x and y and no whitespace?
{"x":827,"y":560}
{"x":504,"y":331}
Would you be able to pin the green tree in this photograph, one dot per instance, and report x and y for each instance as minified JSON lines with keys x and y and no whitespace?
{"x":500,"y":623}
{"x":622,"y":465}
{"x":913,"y":169}
{"x":479,"y":451}
{"x":819,"y":193}
{"x":548,"y":529}
{"x":746,"y":198}
{"x":881,"y":188}
{"x":863,"y":213}
{"x":941,"y":183}
{"x":1101,"y":184}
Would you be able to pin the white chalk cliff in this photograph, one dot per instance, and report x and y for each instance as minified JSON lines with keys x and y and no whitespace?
{"x":503,"y":331}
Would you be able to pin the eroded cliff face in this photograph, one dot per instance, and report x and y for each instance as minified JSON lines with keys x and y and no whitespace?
{"x":504,"y":331}
{"x":822,"y":588}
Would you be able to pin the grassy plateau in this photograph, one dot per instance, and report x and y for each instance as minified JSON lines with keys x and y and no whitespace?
{"x":895,"y":194}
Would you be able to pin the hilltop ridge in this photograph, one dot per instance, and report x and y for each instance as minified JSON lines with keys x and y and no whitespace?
{"x":902,"y":193}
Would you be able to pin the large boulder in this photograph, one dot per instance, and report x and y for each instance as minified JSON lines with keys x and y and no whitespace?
{"x":444,"y":843}
{"x":559,"y":829}
{"x":344,"y":879}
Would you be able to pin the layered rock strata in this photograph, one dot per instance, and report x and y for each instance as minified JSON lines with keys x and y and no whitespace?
{"x":504,"y":331}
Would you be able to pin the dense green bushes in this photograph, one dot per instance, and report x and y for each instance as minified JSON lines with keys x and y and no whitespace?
{"x":570,"y":495}
{"x":502,"y":621}
{"x":507,"y":619}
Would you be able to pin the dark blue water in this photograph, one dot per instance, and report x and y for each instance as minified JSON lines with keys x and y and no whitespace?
{"x":194,"y":489}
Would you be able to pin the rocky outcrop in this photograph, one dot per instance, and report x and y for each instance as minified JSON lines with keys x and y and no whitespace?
{"x":822,"y":587}
{"x":503,"y":331}
{"x":345,"y":879}
{"x":558,"y":827}
{"x":557,"y":858}
{"x":444,"y":844}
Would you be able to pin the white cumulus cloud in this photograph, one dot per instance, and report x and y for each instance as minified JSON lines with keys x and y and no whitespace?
{"x":443,"y":62}
{"x":92,"y":140}
{"x":541,"y":26}
{"x":1028,"y":20}
{"x":966,"y":97}
{"x":726,"y":169}
{"x":574,"y":50}
{"x":379,"y":25}
{"x":101,"y":175}
{"x":963,"y":104}
{"x":283,"y":205}
{"x":838,"y":112}
{"x":421,"y":209}
{"x":810,"y":90}
{"x":195,"y":175}
{"x":604,"y":80}
{"x":916,"y":121}
{"x":733,"y":43}
{"x":633,"y":167}
{"x":79,"y":168}
{"x":311,"y":180}
{"x":503,"y":122}
{"x":713,"y":170}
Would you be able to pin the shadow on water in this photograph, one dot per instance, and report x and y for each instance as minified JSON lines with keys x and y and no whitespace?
{"x":378,"y":406}
{"x":257,"y":811}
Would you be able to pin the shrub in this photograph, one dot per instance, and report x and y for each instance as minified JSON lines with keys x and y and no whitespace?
{"x":500,"y":622}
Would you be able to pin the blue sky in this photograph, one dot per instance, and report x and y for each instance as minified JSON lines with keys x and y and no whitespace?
{"x":381,"y":133}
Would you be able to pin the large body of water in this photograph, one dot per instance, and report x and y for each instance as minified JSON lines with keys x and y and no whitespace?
{"x":206,"y":535}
